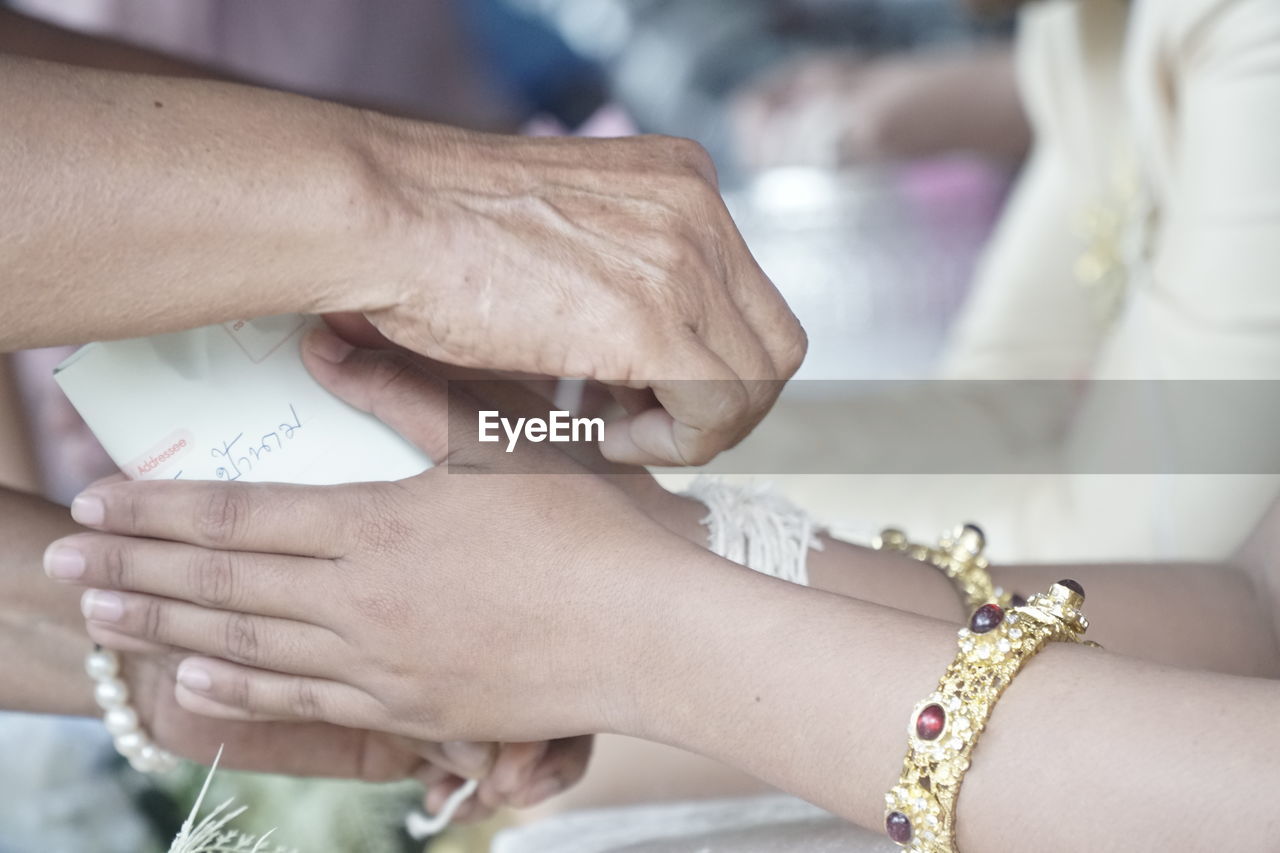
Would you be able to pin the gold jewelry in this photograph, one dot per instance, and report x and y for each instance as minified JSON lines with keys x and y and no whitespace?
{"x":958,"y":555}
{"x":920,"y":812}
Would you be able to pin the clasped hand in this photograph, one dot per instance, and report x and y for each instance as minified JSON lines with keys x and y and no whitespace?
{"x":495,"y":597}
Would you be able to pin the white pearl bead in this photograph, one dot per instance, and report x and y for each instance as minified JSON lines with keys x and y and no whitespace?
{"x":111,"y":693}
{"x":165,"y":762}
{"x":130,"y":745}
{"x":121,"y":721}
{"x":101,"y":665}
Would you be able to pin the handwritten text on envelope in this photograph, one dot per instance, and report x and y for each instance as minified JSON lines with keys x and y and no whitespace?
{"x":228,"y":402}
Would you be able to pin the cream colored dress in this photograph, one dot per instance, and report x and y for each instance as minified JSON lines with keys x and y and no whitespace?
{"x":1170,"y":124}
{"x":1156,"y":174}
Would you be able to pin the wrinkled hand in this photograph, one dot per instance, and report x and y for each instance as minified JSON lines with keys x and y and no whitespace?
{"x":613,"y":260}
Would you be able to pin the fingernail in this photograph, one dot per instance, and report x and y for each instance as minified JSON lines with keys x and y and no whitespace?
{"x":88,"y":510}
{"x":328,"y":346}
{"x":544,"y":790}
{"x":193,"y":676}
{"x":64,"y":563}
{"x":468,"y":755}
{"x":99,"y":606}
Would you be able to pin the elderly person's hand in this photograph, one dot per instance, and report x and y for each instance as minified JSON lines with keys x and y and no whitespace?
{"x":613,"y":260}
{"x":607,"y":259}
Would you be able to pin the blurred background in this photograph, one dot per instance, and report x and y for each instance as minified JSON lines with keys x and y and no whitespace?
{"x":864,"y":185}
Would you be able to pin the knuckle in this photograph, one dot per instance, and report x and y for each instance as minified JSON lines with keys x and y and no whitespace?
{"x":698,"y":447}
{"x":734,"y":406}
{"x":678,"y":283}
{"x":678,"y":256}
{"x":388,"y":374}
{"x":699,"y":453}
{"x":304,"y":700}
{"x":422,"y":711}
{"x":115,"y":566}
{"x":131,"y":510}
{"x":694,"y":156}
{"x":382,"y":609}
{"x":222,"y":517}
{"x":153,"y":621}
{"x":380,"y":529}
{"x":213,"y":578}
{"x":239,"y":693}
{"x":240,"y":642}
{"x":794,"y":348}
{"x":125,"y":511}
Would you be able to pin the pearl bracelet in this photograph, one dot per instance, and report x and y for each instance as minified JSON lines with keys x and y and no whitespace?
{"x":112,"y":696}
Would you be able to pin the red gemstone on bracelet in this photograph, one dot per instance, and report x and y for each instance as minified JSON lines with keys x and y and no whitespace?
{"x":985,"y":618}
{"x":930,"y":722}
{"x":898,"y":826}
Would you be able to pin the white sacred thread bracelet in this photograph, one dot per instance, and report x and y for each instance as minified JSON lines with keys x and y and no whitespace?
{"x":112,"y":696}
{"x":757,"y":528}
{"x":420,"y":826}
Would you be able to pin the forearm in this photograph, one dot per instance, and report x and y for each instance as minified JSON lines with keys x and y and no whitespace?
{"x":1224,"y":616}
{"x":1223,"y":619}
{"x":188,"y":202}
{"x":17,"y":461}
{"x":42,"y":636}
{"x":21,"y":35}
{"x":819,"y":689}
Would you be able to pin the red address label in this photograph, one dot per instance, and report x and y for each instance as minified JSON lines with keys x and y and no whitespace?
{"x":162,"y":460}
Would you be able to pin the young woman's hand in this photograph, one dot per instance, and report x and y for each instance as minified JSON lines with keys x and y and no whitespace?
{"x":489,"y":598}
{"x":518,"y":774}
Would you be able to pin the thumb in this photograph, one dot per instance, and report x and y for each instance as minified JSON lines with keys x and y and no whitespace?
{"x":387,"y":384}
{"x":355,"y":328}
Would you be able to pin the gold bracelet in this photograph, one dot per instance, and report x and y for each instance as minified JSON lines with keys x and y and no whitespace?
{"x":920,"y":811}
{"x":958,"y":555}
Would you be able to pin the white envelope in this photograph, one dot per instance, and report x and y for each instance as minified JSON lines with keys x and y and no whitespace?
{"x":228,"y":402}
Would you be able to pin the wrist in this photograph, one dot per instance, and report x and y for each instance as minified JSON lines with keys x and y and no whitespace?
{"x":689,"y":602}
{"x":41,"y":630}
{"x":46,"y":675}
{"x":405,"y":172}
{"x":680,"y":514}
